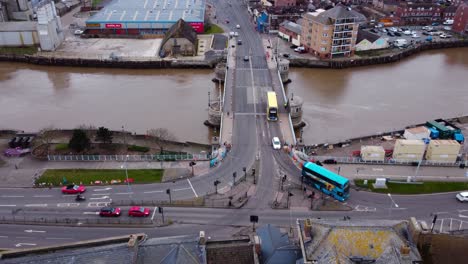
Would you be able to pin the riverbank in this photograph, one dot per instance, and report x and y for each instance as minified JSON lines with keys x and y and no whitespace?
{"x":212,"y":58}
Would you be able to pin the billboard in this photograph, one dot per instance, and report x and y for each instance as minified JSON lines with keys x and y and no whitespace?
{"x":198,"y":26}
{"x":114,"y":25}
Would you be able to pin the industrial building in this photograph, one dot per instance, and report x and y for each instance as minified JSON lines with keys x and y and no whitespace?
{"x":145,"y":17}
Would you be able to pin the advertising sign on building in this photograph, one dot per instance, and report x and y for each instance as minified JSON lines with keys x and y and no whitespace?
{"x":113,"y":25}
{"x":198,"y":26}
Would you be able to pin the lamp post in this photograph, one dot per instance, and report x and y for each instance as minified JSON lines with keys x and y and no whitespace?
{"x":216,"y":182}
{"x":126,"y":175}
{"x":392,"y":202}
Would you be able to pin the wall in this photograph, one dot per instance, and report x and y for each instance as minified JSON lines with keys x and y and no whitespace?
{"x":443,"y":248}
{"x":18,"y":38}
{"x":186,"y":47}
{"x":230,"y":252}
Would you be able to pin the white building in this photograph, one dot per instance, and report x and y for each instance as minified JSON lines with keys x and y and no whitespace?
{"x":49,"y":27}
{"x":369,"y":41}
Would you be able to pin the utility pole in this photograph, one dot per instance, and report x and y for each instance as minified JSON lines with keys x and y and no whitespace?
{"x":216,"y":182}
{"x":161,"y":211}
{"x":168,"y":191}
{"x":234,"y":175}
{"x":253,"y":174}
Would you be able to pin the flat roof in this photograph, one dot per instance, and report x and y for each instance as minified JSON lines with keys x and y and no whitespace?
{"x":147,"y":11}
{"x":18,"y":26}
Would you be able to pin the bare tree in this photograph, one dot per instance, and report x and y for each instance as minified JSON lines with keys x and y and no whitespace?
{"x":47,"y":135}
{"x":90,"y":130}
{"x":162,"y":137}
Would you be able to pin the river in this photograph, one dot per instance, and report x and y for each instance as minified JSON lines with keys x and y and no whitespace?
{"x":339,"y":104}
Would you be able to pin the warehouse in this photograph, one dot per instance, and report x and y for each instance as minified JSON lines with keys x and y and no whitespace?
{"x":145,"y":17}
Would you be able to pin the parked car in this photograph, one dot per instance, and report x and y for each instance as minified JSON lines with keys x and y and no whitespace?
{"x":330,"y":161}
{"x":393,"y":29}
{"x":426,"y":33}
{"x":391,"y":34}
{"x":16,"y":152}
{"x":398,"y":34}
{"x":293,"y":46}
{"x":447,"y":28}
{"x":286,"y":55}
{"x":227,"y":21}
{"x":78,"y":32}
{"x":110,"y":211}
{"x":445,"y":36}
{"x":73,"y":189}
{"x":139,"y":211}
{"x":237,"y":26}
{"x":462,"y":197}
{"x":239,"y":42}
{"x":415,"y":35}
{"x":373,"y":31}
{"x":407,"y":32}
{"x":299,"y":49}
{"x":404,"y":28}
{"x":435,"y":24}
{"x":246,"y":58}
{"x":276,"y":143}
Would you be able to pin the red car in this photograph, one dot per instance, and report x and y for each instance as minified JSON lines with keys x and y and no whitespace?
{"x":110,"y":211}
{"x":73,"y":189}
{"x":139,"y":211}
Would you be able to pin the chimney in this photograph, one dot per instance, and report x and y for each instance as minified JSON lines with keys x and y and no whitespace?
{"x":202,"y":239}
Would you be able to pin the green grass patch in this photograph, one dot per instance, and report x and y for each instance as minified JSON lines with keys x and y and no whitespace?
{"x":213,"y":29}
{"x":138,"y":148}
{"x":18,"y":50}
{"x":61,"y":146}
{"x":414,"y":188}
{"x":86,"y":176}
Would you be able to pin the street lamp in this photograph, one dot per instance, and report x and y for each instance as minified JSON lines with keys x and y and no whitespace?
{"x":391,"y":205}
{"x":216,"y":182}
{"x":126,"y":174}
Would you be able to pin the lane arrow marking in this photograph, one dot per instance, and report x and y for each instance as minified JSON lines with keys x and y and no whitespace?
{"x":24,"y":244}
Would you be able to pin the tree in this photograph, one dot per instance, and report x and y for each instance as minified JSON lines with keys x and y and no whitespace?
{"x":104,"y":134}
{"x":46,"y":136}
{"x":162,"y":137}
{"x":79,"y":141}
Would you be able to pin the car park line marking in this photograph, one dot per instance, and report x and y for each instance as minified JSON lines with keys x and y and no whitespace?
{"x":9,"y":205}
{"x":12,"y":196}
{"x":35,"y":205}
{"x":124,"y":193}
{"x":91,"y":213}
{"x":182,"y":189}
{"x":100,"y":194}
{"x":100,"y":190}
{"x":154,"y":212}
{"x":99,"y":198}
{"x":154,"y":192}
{"x":68,"y":204}
{"x":191,"y":186}
{"x":42,"y":196}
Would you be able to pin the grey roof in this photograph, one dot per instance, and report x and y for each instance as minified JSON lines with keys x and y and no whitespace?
{"x":275,"y":246}
{"x":296,"y":28}
{"x":363,"y":34}
{"x":141,"y":11}
{"x":338,"y":12}
{"x":18,"y":26}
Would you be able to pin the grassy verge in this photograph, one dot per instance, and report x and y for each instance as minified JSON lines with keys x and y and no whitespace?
{"x":86,"y":176}
{"x":403,"y":188}
{"x":18,"y":50}
{"x":61,"y":146}
{"x":138,"y":148}
{"x":213,"y":29}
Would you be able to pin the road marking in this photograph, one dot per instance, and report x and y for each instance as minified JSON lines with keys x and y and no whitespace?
{"x":377,"y":169}
{"x":194,"y":192}
{"x":68,"y":204}
{"x":34,"y":231}
{"x":9,"y":205}
{"x":154,"y":212}
{"x":222,"y":189}
{"x":24,"y":244}
{"x":98,"y":204}
{"x":35,"y":205}
{"x":91,"y":213}
{"x":42,"y":196}
{"x":153,"y":192}
{"x":3,"y":237}
{"x":99,"y":198}
{"x":100,"y":194}
{"x":100,"y":190}
{"x":182,"y":189}
{"x":124,"y":193}
{"x":12,"y":196}
{"x":58,"y":238}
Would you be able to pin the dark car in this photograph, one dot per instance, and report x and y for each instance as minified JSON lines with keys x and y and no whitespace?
{"x":373,"y":31}
{"x":286,"y":55}
{"x":390,"y":34}
{"x":398,"y":34}
{"x":109,"y":211}
{"x":404,"y":28}
{"x":239,"y":42}
{"x":435,"y":24}
{"x":293,"y":46}
{"x":330,"y":161}
{"x":426,"y":33}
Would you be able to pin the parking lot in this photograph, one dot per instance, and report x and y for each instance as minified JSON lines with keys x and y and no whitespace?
{"x":414,"y":34}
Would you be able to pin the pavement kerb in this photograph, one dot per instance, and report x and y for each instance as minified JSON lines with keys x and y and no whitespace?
{"x":420,"y":194}
{"x":136,"y":225}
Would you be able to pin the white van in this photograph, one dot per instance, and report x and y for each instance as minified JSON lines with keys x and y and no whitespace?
{"x":400,"y":43}
{"x":448,"y":22}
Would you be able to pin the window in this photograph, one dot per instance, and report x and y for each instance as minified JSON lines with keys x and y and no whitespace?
{"x":325,"y":35}
{"x":323,"y":49}
{"x":324,"y":42}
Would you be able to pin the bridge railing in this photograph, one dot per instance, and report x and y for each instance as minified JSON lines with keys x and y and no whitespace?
{"x":130,"y":158}
{"x":387,"y":161}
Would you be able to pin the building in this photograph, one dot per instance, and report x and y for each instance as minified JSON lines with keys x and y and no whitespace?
{"x":18,"y":34}
{"x":460,"y":20}
{"x":386,"y":5}
{"x":449,"y":12}
{"x":15,"y":10}
{"x":291,"y":32}
{"x":283,"y":2}
{"x":369,"y":41}
{"x":409,"y":13}
{"x":181,"y":39}
{"x":145,"y":17}
{"x":331,"y":33}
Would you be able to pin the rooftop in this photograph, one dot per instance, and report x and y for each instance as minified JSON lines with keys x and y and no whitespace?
{"x":329,"y":16}
{"x":363,"y":34}
{"x":18,"y":26}
{"x":291,"y":26}
{"x":139,"y":11}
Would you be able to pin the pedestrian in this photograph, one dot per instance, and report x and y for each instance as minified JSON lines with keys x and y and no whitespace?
{"x":16,"y":167}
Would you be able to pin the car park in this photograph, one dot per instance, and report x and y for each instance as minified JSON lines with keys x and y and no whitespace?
{"x":73,"y":189}
{"x":276,"y":143}
{"x":139,"y":211}
{"x":462,"y":197}
{"x":110,"y":212}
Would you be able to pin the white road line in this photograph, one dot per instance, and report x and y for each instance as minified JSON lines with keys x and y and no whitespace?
{"x":154,"y":192}
{"x":12,"y":196}
{"x":35,"y":205}
{"x":42,"y":196}
{"x":125,"y":193}
{"x":377,"y":169}
{"x":98,"y":204}
{"x":99,"y":198}
{"x":7,"y":205}
{"x":68,"y":204}
{"x":24,"y":244}
{"x":154,"y":212}
{"x":3,"y":237}
{"x":34,"y":231}
{"x":100,"y":194}
{"x":182,"y":189}
{"x":91,"y":213}
{"x":194,"y":192}
{"x":58,"y":238}
{"x":100,"y":190}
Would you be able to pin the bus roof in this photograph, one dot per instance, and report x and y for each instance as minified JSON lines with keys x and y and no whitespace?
{"x":272,"y":99}
{"x":327,"y":173}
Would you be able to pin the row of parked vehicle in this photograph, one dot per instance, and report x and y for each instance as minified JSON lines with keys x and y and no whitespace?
{"x":20,"y":142}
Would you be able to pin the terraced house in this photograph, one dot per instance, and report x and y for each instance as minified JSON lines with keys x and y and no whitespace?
{"x":331,"y":33}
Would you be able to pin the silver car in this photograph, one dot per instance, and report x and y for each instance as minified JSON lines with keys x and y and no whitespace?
{"x":462,"y":197}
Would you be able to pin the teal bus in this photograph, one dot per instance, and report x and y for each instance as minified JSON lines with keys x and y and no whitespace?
{"x":325,"y":181}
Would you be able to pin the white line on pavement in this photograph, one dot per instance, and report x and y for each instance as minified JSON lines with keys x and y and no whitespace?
{"x":3,"y":237}
{"x":196,"y":195}
{"x":99,"y":198}
{"x":34,"y":231}
{"x":100,"y":194}
{"x":124,"y":193}
{"x":154,"y":211}
{"x":90,"y":213}
{"x":9,"y":205}
{"x":42,"y":196}
{"x":153,"y":192}
{"x":12,"y":196}
{"x":35,"y":205}
{"x":100,"y":190}
{"x":377,"y":169}
{"x":182,"y":189}
{"x":68,"y":204}
{"x":58,"y":238}
{"x":24,"y":244}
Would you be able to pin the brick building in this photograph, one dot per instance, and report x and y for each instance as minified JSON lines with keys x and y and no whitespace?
{"x":283,"y":2}
{"x":449,"y":12}
{"x":460,"y":21}
{"x":409,"y":13}
{"x":291,"y":32}
{"x":331,"y":33}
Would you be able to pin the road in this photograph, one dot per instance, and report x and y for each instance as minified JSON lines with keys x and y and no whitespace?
{"x":248,"y":82}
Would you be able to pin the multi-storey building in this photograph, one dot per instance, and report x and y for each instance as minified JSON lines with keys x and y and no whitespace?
{"x":409,"y":13}
{"x":460,"y":21}
{"x":331,"y":33}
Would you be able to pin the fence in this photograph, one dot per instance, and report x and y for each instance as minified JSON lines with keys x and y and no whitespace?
{"x":196,"y":202}
{"x":358,"y":160}
{"x":146,"y":157}
{"x":24,"y":220}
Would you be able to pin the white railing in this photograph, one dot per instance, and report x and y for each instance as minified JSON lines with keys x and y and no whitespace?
{"x":144,"y":157}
